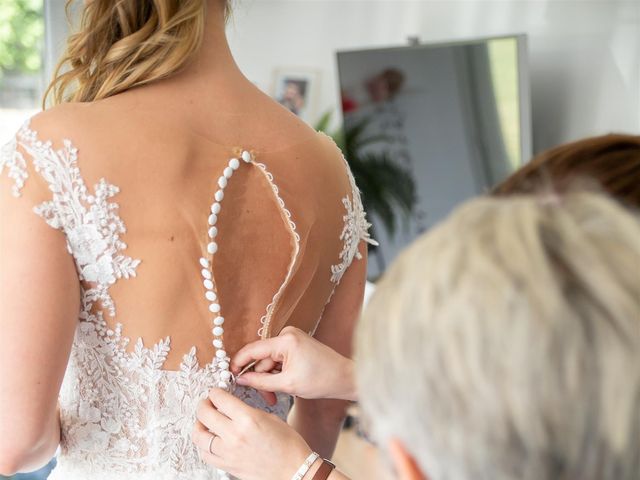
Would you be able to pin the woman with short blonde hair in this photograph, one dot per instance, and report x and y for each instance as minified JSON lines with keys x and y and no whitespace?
{"x":505,"y":344}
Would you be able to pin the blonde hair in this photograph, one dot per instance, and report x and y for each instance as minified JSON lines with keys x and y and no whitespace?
{"x":505,"y":343}
{"x":123,"y":44}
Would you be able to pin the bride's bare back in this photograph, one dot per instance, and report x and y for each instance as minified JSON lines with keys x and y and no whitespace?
{"x":274,"y":235}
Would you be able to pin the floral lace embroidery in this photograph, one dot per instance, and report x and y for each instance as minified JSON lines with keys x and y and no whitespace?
{"x":90,"y":222}
{"x":126,"y":403}
{"x":356,"y":227}
{"x":11,"y":158}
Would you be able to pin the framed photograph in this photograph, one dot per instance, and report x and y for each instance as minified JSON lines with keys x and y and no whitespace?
{"x":297,"y":89}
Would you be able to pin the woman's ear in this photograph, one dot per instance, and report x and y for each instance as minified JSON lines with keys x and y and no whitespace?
{"x":404,"y":464}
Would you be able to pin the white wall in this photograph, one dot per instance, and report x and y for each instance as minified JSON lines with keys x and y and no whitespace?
{"x":56,"y":32}
{"x":585,"y":55}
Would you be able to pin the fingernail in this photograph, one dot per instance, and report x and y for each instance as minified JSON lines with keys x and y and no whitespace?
{"x":241,"y":381}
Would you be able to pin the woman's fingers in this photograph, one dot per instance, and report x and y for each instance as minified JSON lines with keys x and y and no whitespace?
{"x":256,"y":445}
{"x":211,"y":418}
{"x":227,"y":404}
{"x":265,"y":365}
{"x":258,"y":350}
{"x":202,"y":437}
{"x":266,"y":382}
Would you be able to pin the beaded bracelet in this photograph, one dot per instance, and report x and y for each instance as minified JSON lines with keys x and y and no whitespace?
{"x":304,"y":468}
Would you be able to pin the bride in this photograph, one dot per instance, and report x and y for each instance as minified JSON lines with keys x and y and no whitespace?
{"x":161,"y":215}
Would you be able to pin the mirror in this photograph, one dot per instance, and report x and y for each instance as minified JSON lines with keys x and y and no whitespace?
{"x":447,"y":121}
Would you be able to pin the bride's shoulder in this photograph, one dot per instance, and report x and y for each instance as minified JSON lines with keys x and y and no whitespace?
{"x":61,"y":120}
{"x":77,"y":118}
{"x":301,"y":136}
{"x":89,"y":130}
{"x":287,"y":131}
{"x":46,"y":146}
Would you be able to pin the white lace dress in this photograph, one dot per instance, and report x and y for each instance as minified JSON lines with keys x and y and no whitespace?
{"x":122,"y":414}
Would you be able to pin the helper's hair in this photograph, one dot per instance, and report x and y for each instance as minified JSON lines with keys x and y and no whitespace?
{"x":505,"y":343}
{"x":121,"y":44}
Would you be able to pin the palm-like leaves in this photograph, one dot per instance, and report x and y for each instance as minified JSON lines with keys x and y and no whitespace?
{"x":386,"y":186}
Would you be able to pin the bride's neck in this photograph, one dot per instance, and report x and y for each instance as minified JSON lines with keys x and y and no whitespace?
{"x":213,"y":63}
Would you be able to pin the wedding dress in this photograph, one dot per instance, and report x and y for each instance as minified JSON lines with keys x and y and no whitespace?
{"x":124,"y":413}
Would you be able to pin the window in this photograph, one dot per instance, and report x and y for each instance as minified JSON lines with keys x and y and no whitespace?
{"x":503,"y":55}
{"x":21,"y":63}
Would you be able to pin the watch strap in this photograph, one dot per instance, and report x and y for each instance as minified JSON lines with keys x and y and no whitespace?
{"x":324,"y":471}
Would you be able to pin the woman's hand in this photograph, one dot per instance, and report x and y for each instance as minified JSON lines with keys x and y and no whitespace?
{"x":249,"y":443}
{"x":297,"y":364}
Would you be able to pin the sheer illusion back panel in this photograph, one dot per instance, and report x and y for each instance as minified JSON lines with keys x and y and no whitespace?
{"x":278,"y":232}
{"x":314,"y":185}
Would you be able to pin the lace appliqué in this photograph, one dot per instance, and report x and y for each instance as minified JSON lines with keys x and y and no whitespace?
{"x":90,"y":221}
{"x":13,"y":161}
{"x":356,"y":227}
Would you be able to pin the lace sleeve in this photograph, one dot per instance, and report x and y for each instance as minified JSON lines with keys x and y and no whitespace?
{"x":355,"y":229}
{"x":89,"y":220}
{"x":57,"y":167}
